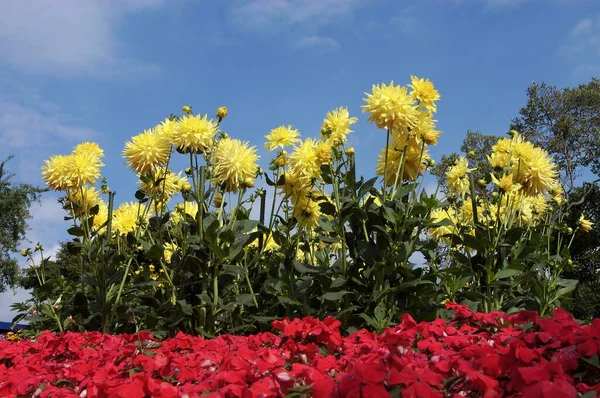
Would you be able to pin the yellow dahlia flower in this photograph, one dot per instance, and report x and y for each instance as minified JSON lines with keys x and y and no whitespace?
{"x":336,"y":125}
{"x":307,"y":212}
{"x":234,"y":164}
{"x":415,"y":160}
{"x":293,"y":186}
{"x":101,"y":218}
{"x":84,"y":168}
{"x":425,"y":128}
{"x":532,"y":168}
{"x":189,"y":208}
{"x":506,"y":183}
{"x":162,"y":184}
{"x":194,"y":133}
{"x":83,"y":200}
{"x":457,"y":177}
{"x":281,"y":137}
{"x":391,"y":107}
{"x":56,"y":173}
{"x":304,"y":161}
{"x":166,"y":129}
{"x":170,"y":248}
{"x":424,"y":92}
{"x":584,"y":224}
{"x":439,"y":215}
{"x":499,"y":160}
{"x":323,"y":150}
{"x":147,"y":151}
{"x":126,"y":217}
{"x":90,"y":149}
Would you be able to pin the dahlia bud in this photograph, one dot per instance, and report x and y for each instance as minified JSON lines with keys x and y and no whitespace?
{"x":222,"y":112}
{"x":223,"y":135}
{"x":431,"y":163}
{"x":249,"y":183}
{"x":570,"y":231}
{"x":471,"y":154}
{"x":24,"y":252}
{"x":218,"y":199}
{"x":482,"y":183}
{"x":187,"y":109}
{"x":38,"y":247}
{"x":281,"y":160}
{"x":350,"y":151}
{"x":188,"y":171}
{"x":186,"y":187}
{"x":513,"y":133}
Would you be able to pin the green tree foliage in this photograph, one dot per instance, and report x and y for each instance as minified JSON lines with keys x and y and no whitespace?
{"x":567,"y":124}
{"x":15,"y":200}
{"x":585,"y":251}
{"x":477,"y":146}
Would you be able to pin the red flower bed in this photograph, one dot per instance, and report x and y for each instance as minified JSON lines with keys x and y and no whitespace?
{"x":475,"y":355}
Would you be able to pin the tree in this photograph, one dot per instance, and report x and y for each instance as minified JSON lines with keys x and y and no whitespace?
{"x":585,"y":252}
{"x":477,"y":146}
{"x":15,"y":200}
{"x":567,"y":124}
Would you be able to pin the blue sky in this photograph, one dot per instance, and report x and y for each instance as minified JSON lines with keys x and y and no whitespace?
{"x":104,"y":70}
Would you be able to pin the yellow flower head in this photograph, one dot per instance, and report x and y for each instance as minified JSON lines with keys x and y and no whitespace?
{"x":391,"y":107}
{"x":532,"y":168}
{"x":424,"y":92}
{"x":499,"y":160}
{"x":293,"y":186}
{"x":307,"y":212}
{"x":304,"y":161}
{"x":323,"y":150}
{"x":147,"y":151}
{"x":584,"y":224}
{"x":166,"y":129}
{"x":281,"y":137}
{"x":170,"y":248}
{"x":269,"y":246}
{"x":425,"y":128}
{"x":234,"y":164}
{"x":336,"y":125}
{"x":222,"y":112}
{"x":506,"y":183}
{"x":56,"y":173}
{"x":126,"y":217}
{"x":189,"y":208}
{"x":439,"y":215}
{"x":101,"y":218}
{"x":83,"y":200}
{"x":415,"y":159}
{"x":457,"y":177}
{"x":83,"y":167}
{"x":90,"y":149}
{"x":162,"y":184}
{"x":194,"y":133}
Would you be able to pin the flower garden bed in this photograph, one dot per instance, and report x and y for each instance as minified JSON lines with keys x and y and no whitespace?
{"x":475,"y":355}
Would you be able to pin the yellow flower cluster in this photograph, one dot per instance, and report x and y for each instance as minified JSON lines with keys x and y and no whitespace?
{"x":524,"y":182}
{"x":408,"y":118}
{"x":301,"y":169}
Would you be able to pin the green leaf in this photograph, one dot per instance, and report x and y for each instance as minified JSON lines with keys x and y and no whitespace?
{"x":244,"y":299}
{"x":473,"y":243}
{"x":327,"y":208}
{"x":75,"y":231}
{"x":303,"y":269}
{"x":287,"y":300}
{"x":333,"y":296}
{"x":507,"y":273}
{"x":338,"y":282}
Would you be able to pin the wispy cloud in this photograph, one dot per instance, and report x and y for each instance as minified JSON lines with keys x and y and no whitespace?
{"x":319,"y":44}
{"x":581,"y":47}
{"x":264,"y":14}
{"x":68,"y":36}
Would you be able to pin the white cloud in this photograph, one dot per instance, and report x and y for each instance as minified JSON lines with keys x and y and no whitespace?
{"x":581,"y":48}
{"x":67,"y":36}
{"x":321,"y":43}
{"x":264,"y":14}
